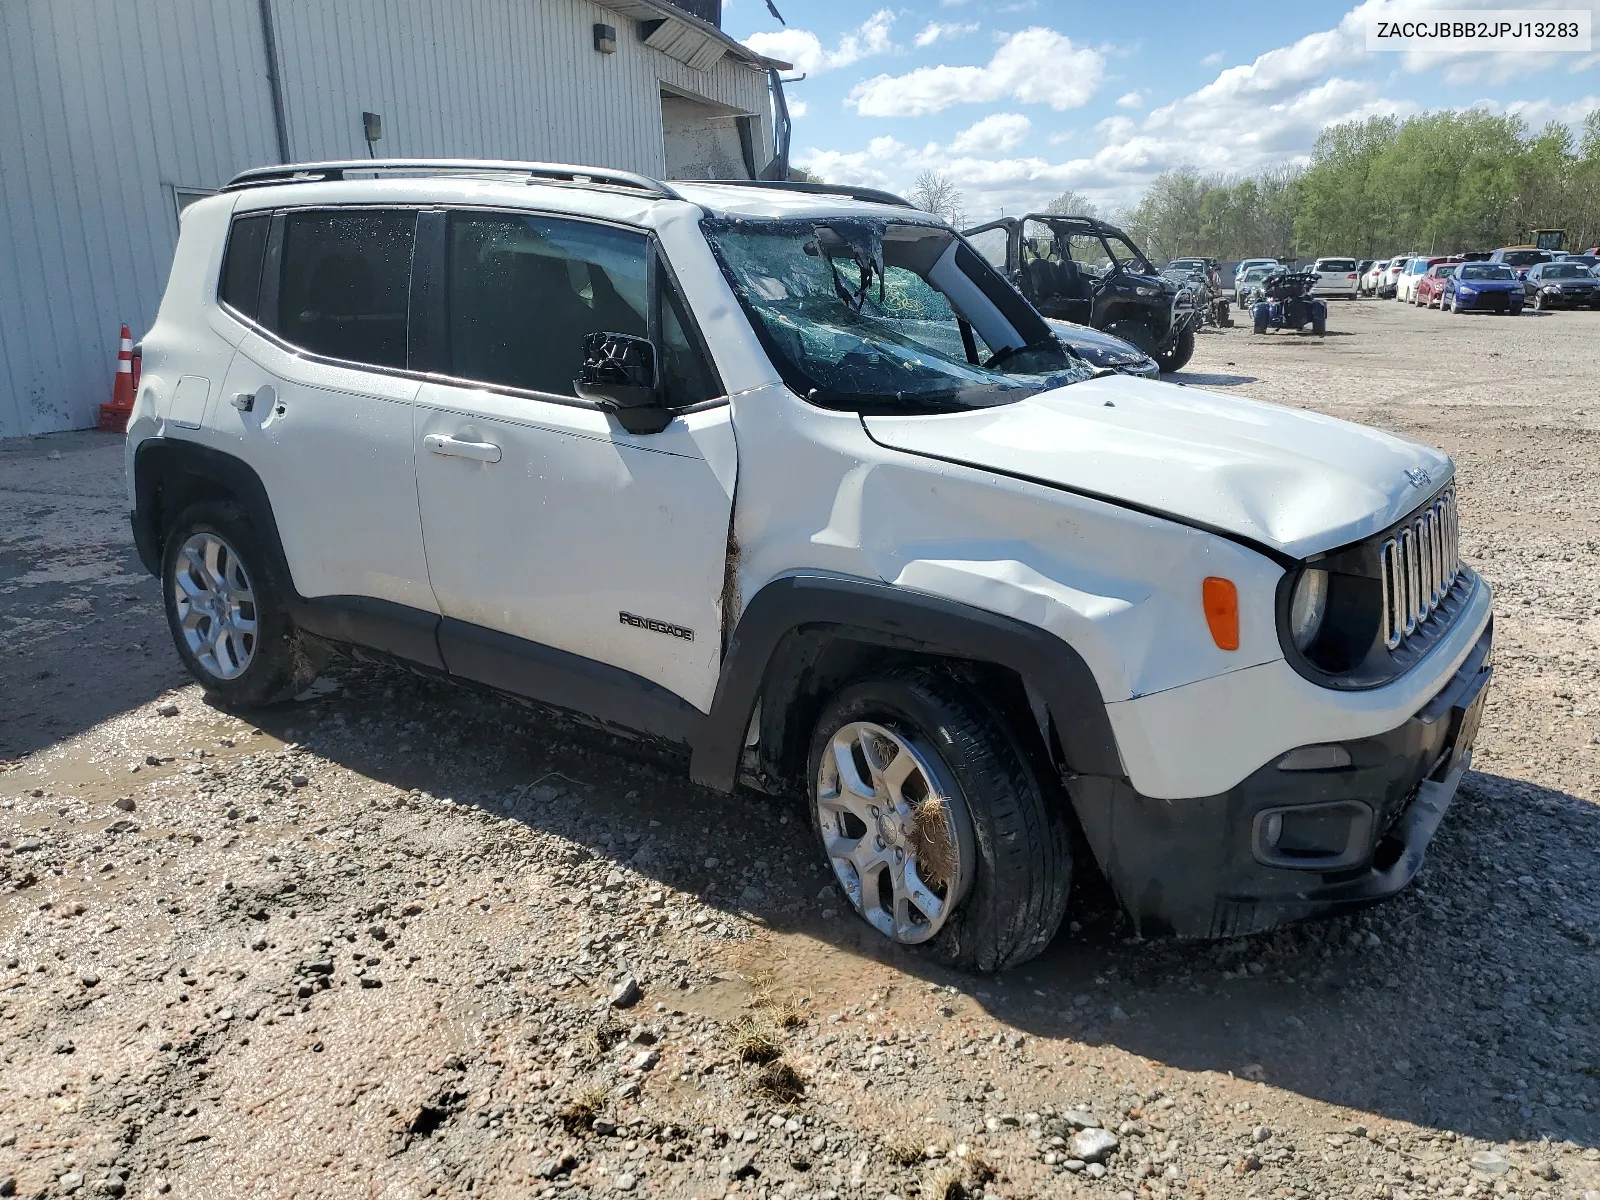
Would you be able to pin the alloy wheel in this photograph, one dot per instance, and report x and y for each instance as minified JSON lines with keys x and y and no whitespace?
{"x":895,"y":830}
{"x":216,"y":605}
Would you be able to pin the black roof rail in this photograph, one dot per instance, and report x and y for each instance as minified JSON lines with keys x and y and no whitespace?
{"x":557,"y":173}
{"x":872,"y":195}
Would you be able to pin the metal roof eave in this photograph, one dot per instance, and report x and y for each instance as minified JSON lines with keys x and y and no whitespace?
{"x":687,"y":38}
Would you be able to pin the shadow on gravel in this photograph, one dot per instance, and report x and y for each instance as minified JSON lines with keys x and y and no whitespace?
{"x":82,"y":632}
{"x":1469,"y":1002}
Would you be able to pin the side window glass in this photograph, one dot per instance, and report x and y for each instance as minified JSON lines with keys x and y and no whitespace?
{"x":241,"y":266}
{"x":991,"y":243}
{"x":524,"y":290}
{"x":686,"y":377}
{"x":345,"y":284}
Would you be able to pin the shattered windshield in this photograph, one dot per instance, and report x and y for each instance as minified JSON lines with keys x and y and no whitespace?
{"x":876,"y":316}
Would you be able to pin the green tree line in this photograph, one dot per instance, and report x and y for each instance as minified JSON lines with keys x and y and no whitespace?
{"x":1439,"y":183}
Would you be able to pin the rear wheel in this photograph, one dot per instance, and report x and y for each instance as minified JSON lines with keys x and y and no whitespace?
{"x":1259,"y":324}
{"x":226,"y":610}
{"x":1319,"y":324}
{"x":941,"y":829}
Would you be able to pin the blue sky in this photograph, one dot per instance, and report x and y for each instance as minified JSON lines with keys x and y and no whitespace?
{"x":1018,"y":100}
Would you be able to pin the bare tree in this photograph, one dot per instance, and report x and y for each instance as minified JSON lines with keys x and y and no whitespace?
{"x":1072,"y":204}
{"x":935,"y":193}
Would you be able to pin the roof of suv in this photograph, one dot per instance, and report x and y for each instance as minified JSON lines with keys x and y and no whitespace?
{"x":593,"y":191}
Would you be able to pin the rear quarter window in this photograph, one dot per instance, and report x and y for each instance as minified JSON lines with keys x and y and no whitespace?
{"x":240,"y":288}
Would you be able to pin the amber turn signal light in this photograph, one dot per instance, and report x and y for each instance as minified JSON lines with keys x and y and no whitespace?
{"x":1220,"y":599}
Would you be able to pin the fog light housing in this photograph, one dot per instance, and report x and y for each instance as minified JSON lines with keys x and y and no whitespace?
{"x":1313,"y":837}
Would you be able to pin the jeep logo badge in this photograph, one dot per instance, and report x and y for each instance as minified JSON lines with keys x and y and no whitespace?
{"x":1418,"y":477}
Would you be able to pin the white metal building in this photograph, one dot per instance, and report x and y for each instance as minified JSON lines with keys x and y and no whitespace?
{"x":117,"y":114}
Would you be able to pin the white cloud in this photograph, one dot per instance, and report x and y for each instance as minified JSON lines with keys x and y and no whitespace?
{"x":1130,"y":100}
{"x":996,"y":132}
{"x":933,"y":31}
{"x":805,"y":49}
{"x":798,"y":108}
{"x":1035,"y":66}
{"x":1211,"y":59}
{"x":1539,"y":113}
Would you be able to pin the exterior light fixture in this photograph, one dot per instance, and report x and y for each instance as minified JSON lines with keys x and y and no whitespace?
{"x":605,"y":38}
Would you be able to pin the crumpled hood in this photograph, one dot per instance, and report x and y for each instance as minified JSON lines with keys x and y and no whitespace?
{"x":1293,"y":481}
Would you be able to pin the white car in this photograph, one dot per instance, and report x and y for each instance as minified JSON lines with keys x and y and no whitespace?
{"x":1405,"y":285}
{"x":790,"y":478}
{"x":1389,"y":282}
{"x":1369,"y":281}
{"x":1336,"y":277}
{"x":1246,"y":264}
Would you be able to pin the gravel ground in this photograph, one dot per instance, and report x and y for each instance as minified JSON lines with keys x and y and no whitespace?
{"x":398,"y":939}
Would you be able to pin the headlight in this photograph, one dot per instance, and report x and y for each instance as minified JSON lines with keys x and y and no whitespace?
{"x":1146,"y":291}
{"x":1467,"y":291}
{"x":1550,"y":287}
{"x":1307,"y":608}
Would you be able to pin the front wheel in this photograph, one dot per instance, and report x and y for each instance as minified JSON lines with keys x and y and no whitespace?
{"x":1538,"y":302}
{"x":941,"y":828}
{"x":1319,"y":325}
{"x":226,"y":610}
{"x":1176,"y":353}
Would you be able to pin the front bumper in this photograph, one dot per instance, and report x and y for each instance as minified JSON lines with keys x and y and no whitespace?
{"x":1584,"y":299}
{"x":1197,"y":868}
{"x":1491,"y":301}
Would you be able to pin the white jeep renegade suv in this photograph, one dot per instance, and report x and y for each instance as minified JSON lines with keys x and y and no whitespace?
{"x":794,"y":479}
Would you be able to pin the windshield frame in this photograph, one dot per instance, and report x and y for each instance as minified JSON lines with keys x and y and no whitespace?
{"x":804,"y":378}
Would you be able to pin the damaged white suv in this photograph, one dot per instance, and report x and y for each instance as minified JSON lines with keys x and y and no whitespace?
{"x":795,"y":480}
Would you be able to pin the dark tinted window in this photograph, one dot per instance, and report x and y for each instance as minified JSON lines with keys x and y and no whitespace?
{"x":686,"y":376}
{"x":345,"y":284}
{"x":524,"y":290}
{"x":241,"y":267}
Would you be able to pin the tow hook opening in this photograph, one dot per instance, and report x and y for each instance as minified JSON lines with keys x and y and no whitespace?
{"x":1313,"y":837}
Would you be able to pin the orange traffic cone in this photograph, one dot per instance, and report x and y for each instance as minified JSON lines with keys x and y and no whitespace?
{"x":114,"y":416}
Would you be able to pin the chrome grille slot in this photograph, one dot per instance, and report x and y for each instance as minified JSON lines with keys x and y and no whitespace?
{"x":1418,"y":566}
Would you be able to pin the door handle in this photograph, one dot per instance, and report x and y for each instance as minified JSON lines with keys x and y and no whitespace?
{"x":451,"y":447}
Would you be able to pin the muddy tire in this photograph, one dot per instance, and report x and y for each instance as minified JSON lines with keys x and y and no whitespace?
{"x":226,"y":612}
{"x":1001,"y":849}
{"x":1177,"y":353}
{"x":1135,"y":333}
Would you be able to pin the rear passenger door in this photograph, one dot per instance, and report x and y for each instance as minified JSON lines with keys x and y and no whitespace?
{"x":573,"y":561}
{"x":319,"y":403}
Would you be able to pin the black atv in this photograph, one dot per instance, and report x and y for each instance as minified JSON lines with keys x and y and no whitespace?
{"x":1087,"y":271}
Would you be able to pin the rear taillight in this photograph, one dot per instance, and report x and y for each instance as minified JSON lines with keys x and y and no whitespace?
{"x":138,"y":365}
{"x":1352,"y":275}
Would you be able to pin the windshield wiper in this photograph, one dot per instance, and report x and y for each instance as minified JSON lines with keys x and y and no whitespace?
{"x":1001,"y":356}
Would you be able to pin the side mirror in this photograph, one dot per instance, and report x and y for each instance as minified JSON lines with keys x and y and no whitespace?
{"x":619,"y":373}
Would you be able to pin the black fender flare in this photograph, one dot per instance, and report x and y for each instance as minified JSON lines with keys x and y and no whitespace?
{"x":161,"y":463}
{"x":897,"y":618}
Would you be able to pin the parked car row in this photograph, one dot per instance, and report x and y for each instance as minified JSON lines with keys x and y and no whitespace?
{"x":1469,"y":287}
